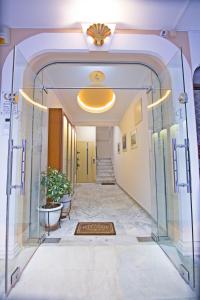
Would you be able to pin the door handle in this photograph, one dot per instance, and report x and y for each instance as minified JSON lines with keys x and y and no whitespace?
{"x":175,"y":165}
{"x":21,"y":186}
{"x":187,"y":162}
{"x":184,"y":146}
{"x":23,"y":167}
{"x":87,"y":167}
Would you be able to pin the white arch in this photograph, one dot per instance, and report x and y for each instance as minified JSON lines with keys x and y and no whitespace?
{"x":121,"y":43}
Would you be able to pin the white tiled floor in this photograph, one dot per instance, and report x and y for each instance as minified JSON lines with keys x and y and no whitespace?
{"x":102,"y":268}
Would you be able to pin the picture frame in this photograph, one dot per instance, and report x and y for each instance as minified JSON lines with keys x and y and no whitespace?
{"x":138,"y":111}
{"x":118,"y":148}
{"x":124,"y":142}
{"x":133,"y":138}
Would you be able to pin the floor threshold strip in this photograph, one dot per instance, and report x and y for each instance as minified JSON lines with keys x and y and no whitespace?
{"x":144,"y":239}
{"x":51,"y":240}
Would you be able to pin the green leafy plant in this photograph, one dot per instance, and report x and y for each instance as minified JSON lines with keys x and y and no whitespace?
{"x":56,"y":185}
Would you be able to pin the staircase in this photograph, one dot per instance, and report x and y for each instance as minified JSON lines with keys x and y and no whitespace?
{"x":105,"y":173}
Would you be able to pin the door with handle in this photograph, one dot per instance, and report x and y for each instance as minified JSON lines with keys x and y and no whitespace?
{"x":170,"y":150}
{"x":26,"y":160}
{"x":86,"y":162}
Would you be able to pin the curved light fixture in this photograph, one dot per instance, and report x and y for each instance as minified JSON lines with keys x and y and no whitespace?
{"x":160,"y":100}
{"x":96,"y":100}
{"x":27,"y":98}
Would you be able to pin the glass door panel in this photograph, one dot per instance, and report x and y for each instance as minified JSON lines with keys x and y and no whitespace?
{"x":170,"y":145}
{"x":69,"y":164}
{"x":26,"y":156}
{"x":65,"y":134}
{"x":73,"y":156}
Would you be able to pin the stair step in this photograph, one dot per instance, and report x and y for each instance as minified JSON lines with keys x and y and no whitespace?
{"x":104,"y":164}
{"x":105,"y":173}
{"x":110,"y":178}
{"x":105,"y":181}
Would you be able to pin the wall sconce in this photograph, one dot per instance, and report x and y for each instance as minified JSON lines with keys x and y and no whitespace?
{"x":98,"y":35}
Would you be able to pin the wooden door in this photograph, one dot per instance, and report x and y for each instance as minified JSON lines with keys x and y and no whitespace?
{"x":86,"y":162}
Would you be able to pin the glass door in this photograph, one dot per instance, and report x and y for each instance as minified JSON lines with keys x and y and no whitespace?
{"x":173,"y":226}
{"x":26,"y":159}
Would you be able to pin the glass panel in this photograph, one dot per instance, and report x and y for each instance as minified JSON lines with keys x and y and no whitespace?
{"x":167,"y":121}
{"x":27,"y":135}
{"x":73,"y":157}
{"x":69,"y":166}
{"x":65,"y":122}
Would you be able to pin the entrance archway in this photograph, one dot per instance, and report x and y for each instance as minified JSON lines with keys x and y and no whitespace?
{"x":147,"y":45}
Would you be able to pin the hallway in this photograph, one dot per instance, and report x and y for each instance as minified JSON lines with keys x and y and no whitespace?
{"x":96,"y":202}
{"x":102,"y":267}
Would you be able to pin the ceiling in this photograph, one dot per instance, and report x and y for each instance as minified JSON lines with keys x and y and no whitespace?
{"x":68,"y":100}
{"x":180,"y":15}
{"x":63,"y":82}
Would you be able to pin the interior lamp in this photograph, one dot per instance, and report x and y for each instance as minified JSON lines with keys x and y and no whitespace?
{"x":96,"y":98}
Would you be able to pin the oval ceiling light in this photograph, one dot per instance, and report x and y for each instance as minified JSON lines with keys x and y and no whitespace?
{"x":96,"y":99}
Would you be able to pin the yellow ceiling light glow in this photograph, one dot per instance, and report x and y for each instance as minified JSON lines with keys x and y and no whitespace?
{"x":27,"y":98}
{"x":160,"y":100}
{"x":96,"y":98}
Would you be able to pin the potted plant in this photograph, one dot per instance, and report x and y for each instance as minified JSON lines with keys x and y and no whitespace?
{"x":54,"y":185}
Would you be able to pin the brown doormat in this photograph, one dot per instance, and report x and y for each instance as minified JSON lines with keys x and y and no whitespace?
{"x":95,"y":228}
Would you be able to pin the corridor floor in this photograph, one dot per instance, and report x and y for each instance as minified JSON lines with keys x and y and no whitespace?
{"x":102,"y":267}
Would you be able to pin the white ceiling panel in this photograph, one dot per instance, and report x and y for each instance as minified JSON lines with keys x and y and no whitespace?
{"x":132,"y":14}
{"x":78,"y":116}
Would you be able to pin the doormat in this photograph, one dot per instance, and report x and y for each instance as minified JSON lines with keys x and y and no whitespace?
{"x":107,"y":183}
{"x":144,"y":239}
{"x":95,"y":228}
{"x":51,"y":240}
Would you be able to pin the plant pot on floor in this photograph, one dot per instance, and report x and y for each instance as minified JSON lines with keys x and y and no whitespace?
{"x":49,"y":217}
{"x":66,"y":201}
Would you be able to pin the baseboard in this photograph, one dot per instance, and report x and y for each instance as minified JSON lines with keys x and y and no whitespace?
{"x":135,"y":201}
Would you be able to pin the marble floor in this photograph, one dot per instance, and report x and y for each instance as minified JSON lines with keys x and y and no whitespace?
{"x":95,"y":202}
{"x":102,"y":268}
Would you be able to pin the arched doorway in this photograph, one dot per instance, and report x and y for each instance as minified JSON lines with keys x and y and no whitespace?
{"x":127,"y":47}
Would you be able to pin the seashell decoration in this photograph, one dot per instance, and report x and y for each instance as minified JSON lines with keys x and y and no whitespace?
{"x":99,"y":32}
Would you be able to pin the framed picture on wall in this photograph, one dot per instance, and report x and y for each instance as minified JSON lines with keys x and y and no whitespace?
{"x":133,"y":139}
{"x":118,"y":148}
{"x":138,"y":111}
{"x":124,"y":143}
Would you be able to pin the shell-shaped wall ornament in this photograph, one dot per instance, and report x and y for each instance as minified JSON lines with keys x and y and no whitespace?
{"x":99,"y":32}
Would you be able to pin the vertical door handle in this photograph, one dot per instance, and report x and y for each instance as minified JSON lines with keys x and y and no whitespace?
{"x":175,"y":146}
{"x":87,"y":158}
{"x":175,"y":165}
{"x":9,"y":167}
{"x":23,"y":167}
{"x":187,"y":162}
{"x":21,"y":186}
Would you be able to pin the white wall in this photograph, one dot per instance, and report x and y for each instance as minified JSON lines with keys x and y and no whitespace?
{"x":132,"y":166}
{"x":104,"y":139}
{"x":86,"y":133}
